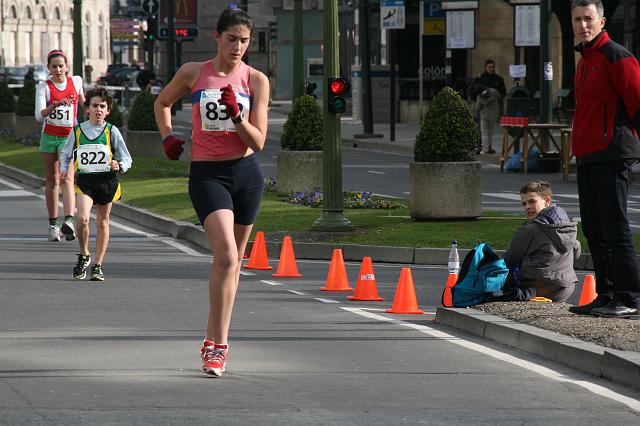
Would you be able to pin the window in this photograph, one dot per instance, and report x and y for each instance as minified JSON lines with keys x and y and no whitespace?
{"x":43,"y":13}
{"x":86,"y":36}
{"x":27,"y":13}
{"x":101,"y":39}
{"x":56,"y":14}
{"x":14,"y":13}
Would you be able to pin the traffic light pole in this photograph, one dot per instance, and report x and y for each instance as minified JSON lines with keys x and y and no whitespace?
{"x":546,"y":68}
{"x":365,"y":70}
{"x":78,"y":58}
{"x":298,"y":55}
{"x":332,"y":218}
{"x":171,"y":66}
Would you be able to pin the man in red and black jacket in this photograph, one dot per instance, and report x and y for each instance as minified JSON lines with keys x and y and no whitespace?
{"x":606,"y":145}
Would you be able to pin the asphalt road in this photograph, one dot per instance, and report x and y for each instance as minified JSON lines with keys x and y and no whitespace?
{"x":126,"y":351}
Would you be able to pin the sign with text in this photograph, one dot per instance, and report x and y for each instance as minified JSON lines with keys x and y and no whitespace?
{"x":527,"y":25}
{"x":434,"y":19}
{"x":392,"y":14}
{"x":460,"y":29}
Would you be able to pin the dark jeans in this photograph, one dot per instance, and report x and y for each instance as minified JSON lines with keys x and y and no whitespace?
{"x":603,"y":189}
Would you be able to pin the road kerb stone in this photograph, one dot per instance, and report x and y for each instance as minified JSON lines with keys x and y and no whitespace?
{"x":622,"y":367}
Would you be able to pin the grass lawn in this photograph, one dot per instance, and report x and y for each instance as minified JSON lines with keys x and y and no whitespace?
{"x":161,"y":186}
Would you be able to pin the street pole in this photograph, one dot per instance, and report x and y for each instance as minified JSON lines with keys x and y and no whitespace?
{"x":78,"y":59}
{"x":391,"y":39}
{"x":171,"y":66}
{"x":332,"y":218}
{"x":421,"y":60}
{"x":365,"y":71}
{"x":298,"y":56}
{"x":546,"y":67}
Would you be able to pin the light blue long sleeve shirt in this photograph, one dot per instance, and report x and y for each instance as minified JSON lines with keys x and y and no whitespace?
{"x":120,"y":151}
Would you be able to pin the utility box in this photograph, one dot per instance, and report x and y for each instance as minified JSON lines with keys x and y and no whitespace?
{"x":380,"y":96}
{"x":518,"y":102}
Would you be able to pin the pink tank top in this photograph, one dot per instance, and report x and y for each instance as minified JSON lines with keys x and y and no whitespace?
{"x":214,"y":136}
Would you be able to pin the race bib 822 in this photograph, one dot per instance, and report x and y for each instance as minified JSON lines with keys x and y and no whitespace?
{"x":93,"y":158}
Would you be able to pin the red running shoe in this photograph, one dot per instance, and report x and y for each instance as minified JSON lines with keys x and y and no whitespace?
{"x":214,"y":358}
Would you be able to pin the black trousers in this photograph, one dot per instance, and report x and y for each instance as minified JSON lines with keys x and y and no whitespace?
{"x":603,"y":189}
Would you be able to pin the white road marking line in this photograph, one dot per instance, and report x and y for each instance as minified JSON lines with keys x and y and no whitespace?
{"x":270,"y":282}
{"x":547,"y":372}
{"x":376,"y":172}
{"x":508,"y":196}
{"x":246,"y":273}
{"x":9,"y":184}
{"x":322,"y":299}
{"x":408,"y":193}
{"x":299,"y":293}
{"x":15,"y":193}
{"x":385,"y":195}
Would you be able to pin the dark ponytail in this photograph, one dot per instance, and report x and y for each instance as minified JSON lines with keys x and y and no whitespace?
{"x":233,"y":17}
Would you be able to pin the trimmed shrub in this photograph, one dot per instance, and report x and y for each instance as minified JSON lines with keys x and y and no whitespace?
{"x":7,"y":101}
{"x":115,"y":116}
{"x":141,"y":115}
{"x":448,"y":132}
{"x":27,"y":99}
{"x":303,"y":129}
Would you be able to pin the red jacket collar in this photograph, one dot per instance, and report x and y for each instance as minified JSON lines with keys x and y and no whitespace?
{"x":595,"y":44}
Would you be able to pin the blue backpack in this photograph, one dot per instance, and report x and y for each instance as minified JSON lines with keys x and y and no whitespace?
{"x":482,"y":272}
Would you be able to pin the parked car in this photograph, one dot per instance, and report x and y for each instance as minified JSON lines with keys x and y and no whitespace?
{"x":40,"y":72}
{"x":14,"y":75}
{"x":123,"y":76}
{"x":114,"y":67}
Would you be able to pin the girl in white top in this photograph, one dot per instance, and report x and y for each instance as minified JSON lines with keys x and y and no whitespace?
{"x":56,"y":105}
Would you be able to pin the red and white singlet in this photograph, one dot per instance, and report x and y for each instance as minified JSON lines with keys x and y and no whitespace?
{"x":62,"y":119}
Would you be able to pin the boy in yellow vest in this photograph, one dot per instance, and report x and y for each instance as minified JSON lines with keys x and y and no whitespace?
{"x":99,"y":154}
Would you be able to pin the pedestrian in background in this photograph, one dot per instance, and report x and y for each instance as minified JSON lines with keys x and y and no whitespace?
{"x":57,"y":105}
{"x":605,"y":143}
{"x":488,"y":110}
{"x":229,"y":115}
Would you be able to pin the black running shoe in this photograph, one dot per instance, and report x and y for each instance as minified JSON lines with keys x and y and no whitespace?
{"x":68,"y":230}
{"x":80,"y":270}
{"x":96,"y":273}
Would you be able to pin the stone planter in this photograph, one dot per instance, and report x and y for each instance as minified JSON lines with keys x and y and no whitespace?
{"x":144,"y":144}
{"x":451,"y":190}
{"x":298,"y":171}
{"x":27,"y":127}
{"x":7,"y":120}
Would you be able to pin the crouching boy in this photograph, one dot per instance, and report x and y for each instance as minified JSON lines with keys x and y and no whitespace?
{"x":99,"y":153}
{"x":540,"y":256}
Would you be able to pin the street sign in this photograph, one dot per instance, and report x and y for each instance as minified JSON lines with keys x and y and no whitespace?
{"x":150,"y":7}
{"x":392,"y":15}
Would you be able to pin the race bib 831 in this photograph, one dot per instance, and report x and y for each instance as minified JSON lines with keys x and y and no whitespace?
{"x":213,"y":114}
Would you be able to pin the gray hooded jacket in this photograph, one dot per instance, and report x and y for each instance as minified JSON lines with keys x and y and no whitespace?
{"x":545,"y":248}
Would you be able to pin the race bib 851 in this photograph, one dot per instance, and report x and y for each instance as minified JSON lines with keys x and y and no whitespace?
{"x":61,"y":116}
{"x":213,"y":114}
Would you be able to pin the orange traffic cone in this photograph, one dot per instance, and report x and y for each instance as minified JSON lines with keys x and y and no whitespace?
{"x":287,"y":267}
{"x":447,"y":295}
{"x":337,"y":278}
{"x":588,"y":290}
{"x":366,"y":288}
{"x":258,"y":258}
{"x":405,"y":301}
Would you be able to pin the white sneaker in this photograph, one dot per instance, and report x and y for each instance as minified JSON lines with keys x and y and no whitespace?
{"x":54,"y":233}
{"x":69,"y":230}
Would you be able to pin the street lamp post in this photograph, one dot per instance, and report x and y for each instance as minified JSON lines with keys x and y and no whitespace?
{"x":78,"y":58}
{"x":332,"y":218}
{"x":546,"y":67}
{"x":298,"y":55}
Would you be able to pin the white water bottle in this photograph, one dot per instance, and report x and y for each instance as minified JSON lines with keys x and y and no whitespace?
{"x":454,"y":259}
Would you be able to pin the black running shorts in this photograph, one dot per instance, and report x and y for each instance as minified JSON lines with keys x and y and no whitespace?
{"x":102,"y":188}
{"x":231,"y":184}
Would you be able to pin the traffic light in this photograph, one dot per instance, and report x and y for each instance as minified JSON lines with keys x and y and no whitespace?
{"x":152,"y":29}
{"x":337,"y":90}
{"x":273,"y":31}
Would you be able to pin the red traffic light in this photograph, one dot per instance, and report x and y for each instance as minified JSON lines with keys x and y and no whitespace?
{"x":338,"y":86}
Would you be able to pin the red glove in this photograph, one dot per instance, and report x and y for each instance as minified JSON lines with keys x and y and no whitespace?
{"x":173,"y":147}
{"x":228,"y":99}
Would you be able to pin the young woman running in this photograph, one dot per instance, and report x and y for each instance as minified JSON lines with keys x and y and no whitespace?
{"x":57,"y":105}
{"x":229,"y":116}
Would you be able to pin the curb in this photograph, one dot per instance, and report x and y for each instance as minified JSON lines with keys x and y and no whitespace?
{"x":614,"y":365}
{"x":315,"y":251}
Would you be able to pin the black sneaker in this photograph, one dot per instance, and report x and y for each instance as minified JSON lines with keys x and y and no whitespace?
{"x":80,"y":270}
{"x":491,"y":151}
{"x":598,"y":302}
{"x":96,"y":273}
{"x":615,"y":309}
{"x":69,"y":230}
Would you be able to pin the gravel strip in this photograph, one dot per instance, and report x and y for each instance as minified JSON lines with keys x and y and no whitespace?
{"x":616,"y":333}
